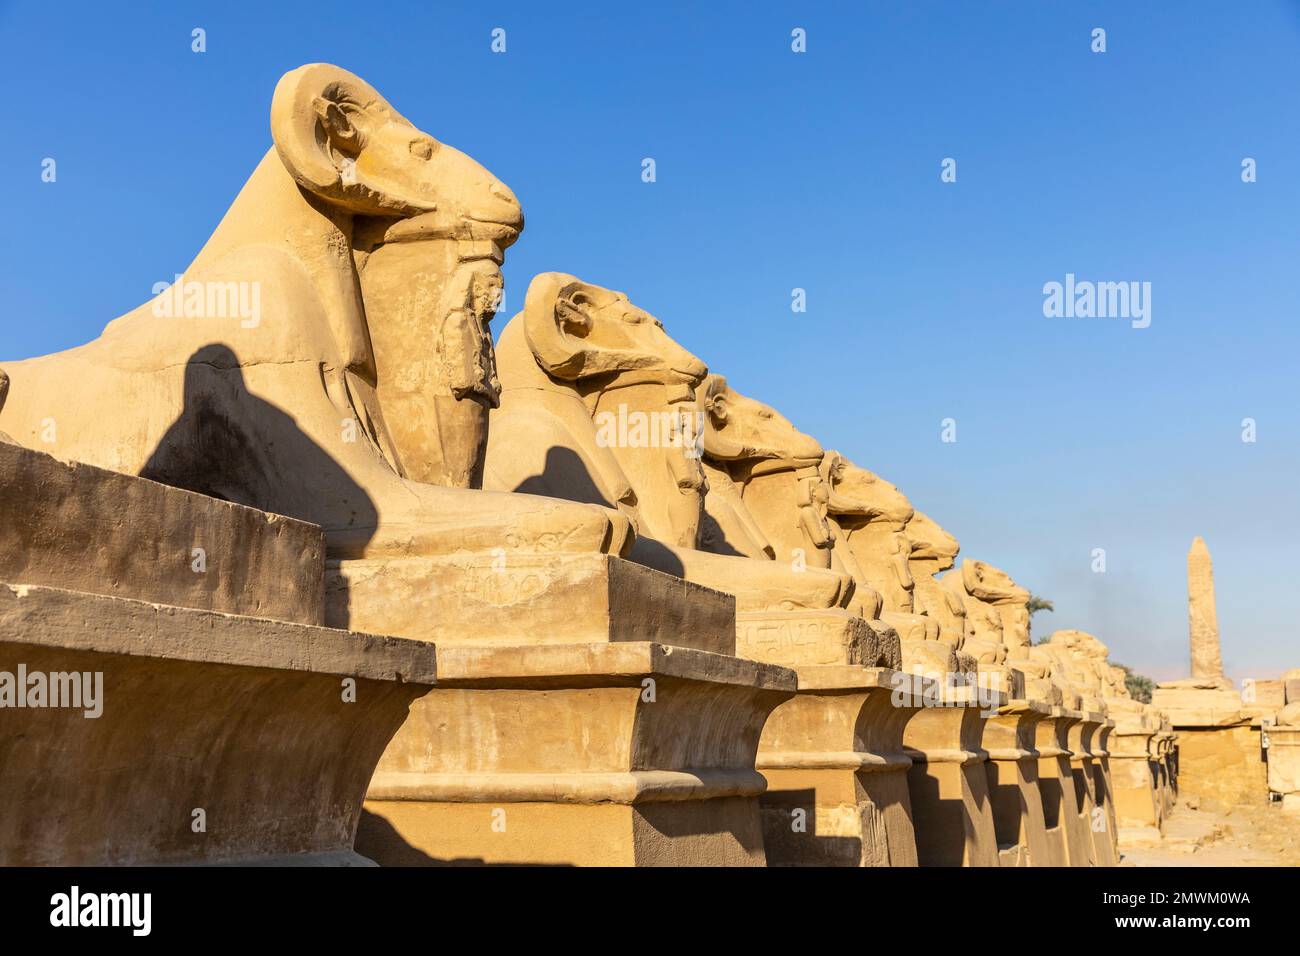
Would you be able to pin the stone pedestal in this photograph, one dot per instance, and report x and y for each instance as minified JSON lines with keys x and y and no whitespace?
{"x":613,"y":754}
{"x":837,"y":789}
{"x":1069,"y":837}
{"x":65,"y":524}
{"x":1284,"y":765}
{"x":1103,"y":783}
{"x":1093,"y":803}
{"x":1010,"y":737}
{"x":221,"y":738}
{"x":1220,"y":755}
{"x":516,"y":599}
{"x":830,"y":636}
{"x":1135,"y":777}
{"x":1222,"y":765}
{"x":948,"y":781}
{"x":212,"y":736}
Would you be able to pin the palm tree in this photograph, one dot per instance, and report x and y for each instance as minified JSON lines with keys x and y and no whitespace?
{"x":1139,"y":687}
{"x":1035,"y":605}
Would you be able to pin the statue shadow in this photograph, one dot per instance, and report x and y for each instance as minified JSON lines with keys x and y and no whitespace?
{"x":379,"y":840}
{"x":230,"y":444}
{"x":790,"y":835}
{"x":713,"y":538}
{"x":564,"y":475}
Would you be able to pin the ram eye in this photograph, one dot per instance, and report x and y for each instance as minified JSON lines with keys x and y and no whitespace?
{"x":633,"y":318}
{"x":422,"y":148}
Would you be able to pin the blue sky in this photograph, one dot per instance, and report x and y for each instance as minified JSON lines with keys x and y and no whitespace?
{"x":820,"y":171}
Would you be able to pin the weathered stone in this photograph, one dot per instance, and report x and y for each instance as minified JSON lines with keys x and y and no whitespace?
{"x":70,"y":525}
{"x":588,"y":754}
{"x":948,"y":783}
{"x":247,"y":720}
{"x":528,"y":599}
{"x":1203,"y":619}
{"x":1010,"y":737}
{"x":1068,"y":833}
{"x":324,"y":403}
{"x":836,"y":770}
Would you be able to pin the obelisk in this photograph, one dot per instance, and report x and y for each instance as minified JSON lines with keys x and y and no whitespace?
{"x":1202,"y":618}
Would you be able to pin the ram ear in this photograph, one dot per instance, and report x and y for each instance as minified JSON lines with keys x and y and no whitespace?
{"x":557,"y":318}
{"x":314,"y":124}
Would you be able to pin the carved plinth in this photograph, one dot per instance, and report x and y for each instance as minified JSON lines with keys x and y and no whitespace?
{"x":221,"y":738}
{"x":1200,"y":703}
{"x":511,"y":599}
{"x":1068,"y":835}
{"x":1221,"y":765}
{"x":1104,"y":784}
{"x":1284,"y":765}
{"x":66,"y":524}
{"x":1136,"y":787}
{"x":836,"y":770}
{"x":1010,"y":737}
{"x":948,"y":782}
{"x":586,"y":754}
{"x":824,"y":637}
{"x":1091,"y":790}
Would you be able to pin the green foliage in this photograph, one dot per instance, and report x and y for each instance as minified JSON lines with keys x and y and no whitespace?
{"x":1139,"y":687}
{"x":1035,"y":605}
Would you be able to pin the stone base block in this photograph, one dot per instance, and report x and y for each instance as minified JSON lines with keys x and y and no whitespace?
{"x":219,"y":738}
{"x":511,"y":599}
{"x":933,"y":660}
{"x":1192,"y":703}
{"x":1223,"y":765}
{"x":836,"y":770}
{"x":1135,"y":785}
{"x":1010,"y":740}
{"x":628,"y":754}
{"x":1068,"y":836}
{"x":948,"y":783}
{"x":65,"y":524}
{"x":797,"y":638}
{"x":1092,"y":789}
{"x":1284,"y":763}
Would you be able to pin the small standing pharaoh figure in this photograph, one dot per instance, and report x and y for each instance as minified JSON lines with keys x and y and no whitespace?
{"x":436,"y":373}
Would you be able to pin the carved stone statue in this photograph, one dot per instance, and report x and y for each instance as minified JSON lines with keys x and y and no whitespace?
{"x":868,"y":515}
{"x":934,"y":550}
{"x":1081,"y":653}
{"x":325,"y":356}
{"x":981,"y":587}
{"x":754,"y":456}
{"x":598,"y":405}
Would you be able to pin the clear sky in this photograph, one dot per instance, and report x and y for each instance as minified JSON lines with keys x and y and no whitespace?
{"x":821,"y":171}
